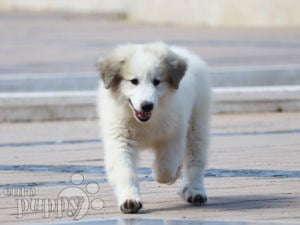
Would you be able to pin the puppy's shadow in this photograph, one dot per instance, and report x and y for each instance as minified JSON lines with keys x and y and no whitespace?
{"x":166,"y":209}
{"x":234,"y":202}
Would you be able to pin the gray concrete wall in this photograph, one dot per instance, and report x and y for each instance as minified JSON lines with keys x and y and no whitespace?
{"x":213,"y":13}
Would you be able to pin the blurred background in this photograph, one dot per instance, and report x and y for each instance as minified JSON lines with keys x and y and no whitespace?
{"x":258,"y":13}
{"x":68,"y":36}
{"x":53,"y":45}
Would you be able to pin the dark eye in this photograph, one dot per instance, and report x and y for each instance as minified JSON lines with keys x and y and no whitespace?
{"x":156,"y":82}
{"x":134,"y":81}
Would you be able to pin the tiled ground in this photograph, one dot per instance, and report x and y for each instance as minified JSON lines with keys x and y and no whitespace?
{"x":253,"y":175}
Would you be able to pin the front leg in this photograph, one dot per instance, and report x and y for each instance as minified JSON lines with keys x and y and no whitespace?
{"x":120,"y":164}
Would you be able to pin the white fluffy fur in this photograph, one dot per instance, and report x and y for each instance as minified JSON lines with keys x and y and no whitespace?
{"x":177,"y":132}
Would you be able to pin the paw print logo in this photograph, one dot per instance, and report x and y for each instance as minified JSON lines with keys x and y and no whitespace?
{"x":75,"y":202}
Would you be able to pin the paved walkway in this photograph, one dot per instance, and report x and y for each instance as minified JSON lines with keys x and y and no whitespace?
{"x":60,"y":43}
{"x":254,"y":173}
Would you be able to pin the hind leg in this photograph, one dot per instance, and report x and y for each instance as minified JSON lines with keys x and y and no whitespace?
{"x":168,"y":161}
{"x":195,"y":160}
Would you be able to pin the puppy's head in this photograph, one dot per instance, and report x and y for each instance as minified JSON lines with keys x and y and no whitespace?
{"x":141,"y":75}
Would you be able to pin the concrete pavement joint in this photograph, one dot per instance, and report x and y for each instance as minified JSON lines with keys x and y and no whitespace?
{"x":47,"y":143}
{"x":85,"y":141}
{"x":273,"y":174}
{"x":144,"y":173}
{"x":49,"y":184}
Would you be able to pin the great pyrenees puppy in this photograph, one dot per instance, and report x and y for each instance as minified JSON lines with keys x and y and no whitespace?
{"x":157,"y":97}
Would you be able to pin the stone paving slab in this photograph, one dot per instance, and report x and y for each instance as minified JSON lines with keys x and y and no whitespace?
{"x":253,"y":174}
{"x":68,"y":43}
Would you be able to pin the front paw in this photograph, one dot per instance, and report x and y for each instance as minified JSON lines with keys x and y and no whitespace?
{"x":193,"y":196}
{"x":131,"y":206}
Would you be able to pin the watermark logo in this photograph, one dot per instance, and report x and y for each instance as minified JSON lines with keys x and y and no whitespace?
{"x":73,"y":201}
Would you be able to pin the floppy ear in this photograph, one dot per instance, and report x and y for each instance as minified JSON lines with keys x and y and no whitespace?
{"x":175,"y":69}
{"x":110,"y":68}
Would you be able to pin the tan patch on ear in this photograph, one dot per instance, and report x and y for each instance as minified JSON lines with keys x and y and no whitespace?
{"x":175,"y":68}
{"x":110,"y":69}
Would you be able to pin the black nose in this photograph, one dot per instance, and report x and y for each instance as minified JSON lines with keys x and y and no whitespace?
{"x":147,"y":106}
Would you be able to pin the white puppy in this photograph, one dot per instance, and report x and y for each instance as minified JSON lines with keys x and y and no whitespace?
{"x":155,"y":97}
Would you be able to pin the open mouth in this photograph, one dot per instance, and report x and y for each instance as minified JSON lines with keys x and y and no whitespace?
{"x":141,"y":116}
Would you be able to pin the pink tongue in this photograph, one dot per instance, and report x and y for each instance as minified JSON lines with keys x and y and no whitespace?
{"x":143,"y":115}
